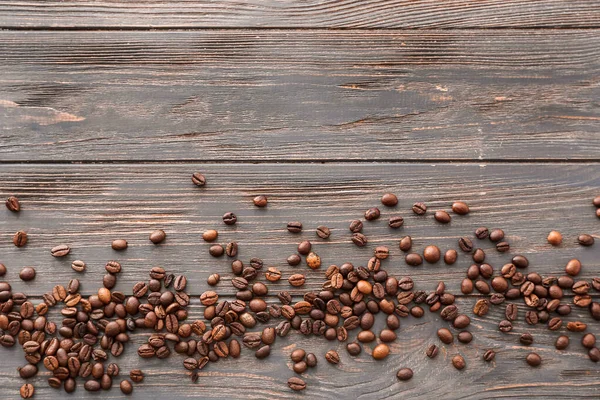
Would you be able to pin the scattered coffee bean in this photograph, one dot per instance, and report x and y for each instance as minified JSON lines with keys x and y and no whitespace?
{"x":372,"y":214}
{"x":27,"y":391}
{"x":432,"y":351}
{"x":526,"y":339}
{"x":119,"y":244}
{"x":332,"y":357}
{"x":216,"y":250}
{"x":502,"y":247}
{"x":460,"y":208}
{"x":13,"y":204}
{"x":419,"y":208}
{"x":356,"y":226}
{"x":359,"y":239}
{"x":389,"y":200}
{"x":489,"y":355}
{"x":404,"y":374}
{"x":198,"y":179}
{"x":405,"y":243}
{"x":260,"y":201}
{"x":27,"y":274}
{"x":323,"y":232}
{"x":496,"y":235}
{"x":157,"y":236}
{"x":445,"y":335}
{"x":294,"y":227}
{"x":381,"y":351}
{"x":555,"y":238}
{"x":229,"y":218}
{"x":573,"y":267}
{"x":78,"y":265}
{"x":450,"y":256}
{"x":482,"y":233}
{"x":210,"y":235}
{"x":442,"y":217}
{"x":533,"y":359}
{"x":458,"y":362}
{"x":431,"y":254}
{"x":296,"y":383}
{"x":60,"y":250}
{"x":20,"y":239}
{"x":395,"y":222}
{"x":136,"y":375}
{"x":585,"y":240}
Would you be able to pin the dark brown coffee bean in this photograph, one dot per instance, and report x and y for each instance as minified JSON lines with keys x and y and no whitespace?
{"x":294,"y":227}
{"x":432,"y":351}
{"x":296,"y":384}
{"x":573,"y":267}
{"x":60,"y":250}
{"x":594,"y":354}
{"x":231,"y":249}
{"x":20,"y":239}
{"x":198,"y":179}
{"x":460,"y":208}
{"x":359,"y":239}
{"x":356,"y":226}
{"x":13,"y":204}
{"x":489,"y":355}
{"x":588,"y":340}
{"x":323,"y":232}
{"x":505,"y":326}
{"x":136,"y":375}
{"x":442,"y":217}
{"x":465,"y":337}
{"x":482,"y":233}
{"x":526,"y":339}
{"x":431,"y":254}
{"x":465,"y":244}
{"x":555,"y":324}
{"x":533,"y":359}
{"x":210,"y":235}
{"x":395,"y":222}
{"x":229,"y":218}
{"x":481,"y":307}
{"x":496,"y":235}
{"x":27,"y":390}
{"x":126,"y":387}
{"x":502,"y":247}
{"x":458,"y":362}
{"x":445,"y":335}
{"x":562,"y":342}
{"x":419,"y":208}
{"x":372,"y":214}
{"x":157,"y":236}
{"x":413,"y":259}
{"x":332,"y":357}
{"x":585,"y":240}
{"x":404,"y":374}
{"x":216,"y":250}
{"x":27,"y":274}
{"x":119,"y":244}
{"x":263,"y":352}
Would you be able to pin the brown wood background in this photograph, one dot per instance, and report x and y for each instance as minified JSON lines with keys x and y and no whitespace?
{"x":106,"y":108}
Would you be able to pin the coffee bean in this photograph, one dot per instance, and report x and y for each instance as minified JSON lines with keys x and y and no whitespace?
{"x":78,"y":265}
{"x":588,"y":340}
{"x":450,"y":257}
{"x":489,"y":355}
{"x":431,"y":254}
{"x":482,"y":233}
{"x":27,"y":274}
{"x":404,"y":374}
{"x":231,"y":249}
{"x":555,"y":324}
{"x":465,"y":337}
{"x":520,"y":261}
{"x":389,"y":200}
{"x":20,"y":239}
{"x":294,"y":227}
{"x":594,"y":354}
{"x":496,"y":235}
{"x":332,"y":357}
{"x":359,"y":239}
{"x":585,"y":240}
{"x":502,"y":247}
{"x":562,"y":342}
{"x":526,"y":339}
{"x":598,"y":213}
{"x":432,"y":351}
{"x":216,"y":250}
{"x":380,"y":351}
{"x":573,"y":267}
{"x":405,"y":243}
{"x":296,"y":384}
{"x":442,"y":217}
{"x":458,"y":362}
{"x":395,"y":222}
{"x":260,"y":201}
{"x":323,"y":232}
{"x":445,"y":335}
{"x":210,"y":235}
{"x":92,"y":386}
{"x":229,"y":218}
{"x":157,"y":236}
{"x":13,"y":204}
{"x":297,"y":280}
{"x":372,"y":214}
{"x":576,"y":326}
{"x":460,"y":208}
{"x":481,"y":308}
{"x":554,"y":238}
{"x":119,"y":244}
{"x":419,"y":208}
{"x":198,"y":179}
{"x":413,"y":259}
{"x":355,"y":226}
{"x":533,"y":359}
{"x":126,"y":387}
{"x":505,"y":326}
{"x":60,"y":250}
{"x":136,"y":375}
{"x":27,"y":391}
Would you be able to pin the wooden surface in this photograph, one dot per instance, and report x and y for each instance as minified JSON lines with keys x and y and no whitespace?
{"x":322,"y":106}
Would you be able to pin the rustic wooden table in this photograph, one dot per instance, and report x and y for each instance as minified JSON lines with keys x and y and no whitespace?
{"x":107,"y":107}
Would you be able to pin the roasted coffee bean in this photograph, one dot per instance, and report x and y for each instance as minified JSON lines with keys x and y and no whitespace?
{"x":119,"y":244}
{"x":450,"y":256}
{"x":555,"y":324}
{"x":445,"y":335}
{"x":27,"y":390}
{"x":465,"y":244}
{"x":482,"y":233}
{"x":594,"y":354}
{"x":588,"y":340}
{"x":458,"y":362}
{"x":210,"y":235}
{"x":465,"y":337}
{"x":505,"y":326}
{"x":502,"y":247}
{"x":413,"y":259}
{"x":372,"y":214}
{"x":460,"y":208}
{"x":432,"y":351}
{"x":380,"y":351}
{"x":20,"y":239}
{"x":294,"y":227}
{"x":27,"y":274}
{"x":126,"y":387}
{"x":260,"y":201}
{"x":479,"y":256}
{"x":419,"y":208}
{"x":496,"y":235}
{"x":533,"y":359}
{"x":78,"y":265}
{"x":60,"y":250}
{"x":405,"y":243}
{"x":562,"y":342}
{"x":216,"y":250}
{"x":323,"y":232}
{"x":229,"y":218}
{"x":481,"y":308}
{"x":404,"y":374}
{"x":13,"y":204}
{"x":431,"y":254}
{"x":489,"y":355}
{"x":296,"y":383}
{"x":526,"y":339}
{"x":585,"y":240}
{"x":442,"y":217}
{"x":573,"y":267}
{"x":231,"y":249}
{"x":359,"y":239}
{"x":136,"y":375}
{"x":198,"y":179}
{"x":332,"y":357}
{"x":395,"y":222}
{"x":356,"y":226}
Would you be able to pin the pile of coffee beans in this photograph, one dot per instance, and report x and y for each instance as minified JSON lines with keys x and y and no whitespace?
{"x":96,"y":328}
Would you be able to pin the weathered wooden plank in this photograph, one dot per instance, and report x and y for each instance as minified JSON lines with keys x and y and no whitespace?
{"x":300,"y":95}
{"x":301,"y":14}
{"x":87,"y":206}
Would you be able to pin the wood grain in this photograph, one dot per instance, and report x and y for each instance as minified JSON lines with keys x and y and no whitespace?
{"x":301,"y":14}
{"x":300,"y":95}
{"x":88,"y":205}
